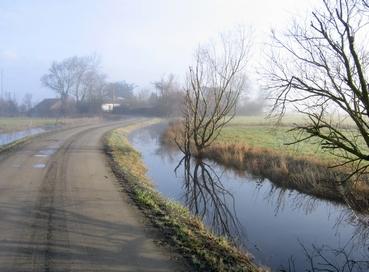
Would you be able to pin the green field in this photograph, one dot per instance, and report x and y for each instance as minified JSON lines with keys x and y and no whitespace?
{"x":258,"y":132}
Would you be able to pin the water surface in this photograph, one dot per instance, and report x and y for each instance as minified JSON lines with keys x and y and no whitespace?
{"x":283,"y":229}
{"x":6,"y":138}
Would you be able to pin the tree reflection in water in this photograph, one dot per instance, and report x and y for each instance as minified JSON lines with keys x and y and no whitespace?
{"x":352,"y":256}
{"x":325,"y":258}
{"x":206,"y":197}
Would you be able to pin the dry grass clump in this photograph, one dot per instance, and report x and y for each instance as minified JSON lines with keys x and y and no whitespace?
{"x":286,"y":171}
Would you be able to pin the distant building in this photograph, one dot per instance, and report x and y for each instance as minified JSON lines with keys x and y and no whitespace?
{"x":109,"y":107}
{"x":51,"y":107}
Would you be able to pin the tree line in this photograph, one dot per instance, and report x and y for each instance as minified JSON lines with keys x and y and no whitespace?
{"x":10,"y":107}
{"x":78,"y":80}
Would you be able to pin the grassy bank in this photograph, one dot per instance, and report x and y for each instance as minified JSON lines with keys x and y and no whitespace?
{"x":185,"y":233}
{"x":260,"y":150}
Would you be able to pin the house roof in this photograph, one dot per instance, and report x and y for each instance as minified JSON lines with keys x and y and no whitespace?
{"x":46,"y":105}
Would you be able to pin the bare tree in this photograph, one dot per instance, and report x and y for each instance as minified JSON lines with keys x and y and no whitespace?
{"x":92,"y":91}
{"x":214,"y":85}
{"x":366,"y":3}
{"x":8,"y":105}
{"x":67,"y":77}
{"x":119,"y":90}
{"x":321,"y":71}
{"x":169,"y":96}
{"x":60,"y":79}
{"x":85,"y":72}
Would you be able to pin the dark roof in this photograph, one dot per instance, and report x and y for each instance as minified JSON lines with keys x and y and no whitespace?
{"x":49,"y":107}
{"x":46,"y":104}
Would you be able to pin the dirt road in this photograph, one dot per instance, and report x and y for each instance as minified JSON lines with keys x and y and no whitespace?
{"x":61,"y":209}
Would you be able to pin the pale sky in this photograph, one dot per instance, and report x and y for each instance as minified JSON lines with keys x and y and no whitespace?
{"x":138,"y":40}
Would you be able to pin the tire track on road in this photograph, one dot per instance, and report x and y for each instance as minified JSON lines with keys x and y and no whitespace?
{"x":49,"y":208}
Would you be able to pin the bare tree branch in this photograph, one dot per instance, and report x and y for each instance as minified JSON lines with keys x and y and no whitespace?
{"x":322,"y":69}
{"x":214,"y":85}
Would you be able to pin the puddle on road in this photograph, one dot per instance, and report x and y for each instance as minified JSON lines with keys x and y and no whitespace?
{"x":48,"y":151}
{"x":40,"y":155}
{"x":45,"y":152}
{"x":39,"y":165}
{"x":56,"y":144}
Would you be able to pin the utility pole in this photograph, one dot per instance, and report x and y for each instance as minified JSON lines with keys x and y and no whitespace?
{"x":2,"y":83}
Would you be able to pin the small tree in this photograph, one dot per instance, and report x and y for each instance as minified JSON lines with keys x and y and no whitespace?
{"x":214,"y":85}
{"x":92,"y":91}
{"x":322,"y":69}
{"x":169,"y":96}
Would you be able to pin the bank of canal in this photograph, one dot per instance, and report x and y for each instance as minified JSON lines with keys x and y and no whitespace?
{"x":283,"y":229}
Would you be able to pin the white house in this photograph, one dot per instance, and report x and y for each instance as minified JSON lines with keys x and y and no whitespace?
{"x":108,"y":107}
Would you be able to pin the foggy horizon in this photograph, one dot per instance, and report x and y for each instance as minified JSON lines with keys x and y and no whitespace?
{"x":137,"y":42}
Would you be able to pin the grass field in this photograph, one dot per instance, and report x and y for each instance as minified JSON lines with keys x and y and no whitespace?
{"x":20,"y":123}
{"x":257,"y":132}
{"x":12,"y":124}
